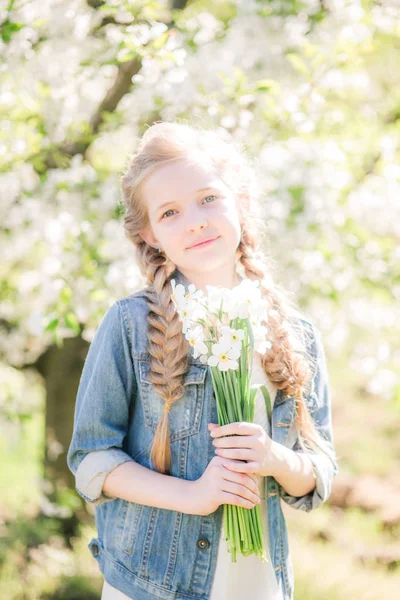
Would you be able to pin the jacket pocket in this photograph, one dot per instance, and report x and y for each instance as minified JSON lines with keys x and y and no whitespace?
{"x":185,"y":413}
{"x":130,"y":531}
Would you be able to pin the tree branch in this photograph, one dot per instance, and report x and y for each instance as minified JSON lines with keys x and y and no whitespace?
{"x":122,"y":85}
{"x":392,"y":118}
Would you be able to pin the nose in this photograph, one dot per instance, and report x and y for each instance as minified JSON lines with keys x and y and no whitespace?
{"x":196,"y":219}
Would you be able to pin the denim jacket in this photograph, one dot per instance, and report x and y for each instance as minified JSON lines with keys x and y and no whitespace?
{"x":151,"y":553}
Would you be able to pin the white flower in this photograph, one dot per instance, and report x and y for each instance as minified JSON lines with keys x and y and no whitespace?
{"x":193,"y":294}
{"x":199,"y":311}
{"x":233,"y":336}
{"x":195,"y":338}
{"x":187,"y":304}
{"x":215,"y":313}
{"x":261,"y":343}
{"x":216,"y":295}
{"x":186,"y":315}
{"x":261,"y":346}
{"x":259,"y":309}
{"x":249,"y":302}
{"x":224,"y":357}
{"x":178,"y":294}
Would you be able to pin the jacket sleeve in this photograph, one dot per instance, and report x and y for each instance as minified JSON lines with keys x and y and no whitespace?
{"x":106,"y":390}
{"x":321,"y":412}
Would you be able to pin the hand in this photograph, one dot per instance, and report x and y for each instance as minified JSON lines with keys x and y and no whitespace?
{"x":243,"y":442}
{"x":219,"y":485}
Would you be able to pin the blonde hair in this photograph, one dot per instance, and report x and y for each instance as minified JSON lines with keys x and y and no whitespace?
{"x":289,"y":370}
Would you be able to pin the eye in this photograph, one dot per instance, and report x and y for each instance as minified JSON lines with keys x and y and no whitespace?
{"x":210,"y":197}
{"x":171,"y":210}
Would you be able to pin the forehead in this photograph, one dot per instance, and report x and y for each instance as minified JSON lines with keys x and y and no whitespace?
{"x":178,"y":180}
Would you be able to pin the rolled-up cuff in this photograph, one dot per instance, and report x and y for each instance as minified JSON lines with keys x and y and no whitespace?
{"x":93,"y":470}
{"x":325,"y":472}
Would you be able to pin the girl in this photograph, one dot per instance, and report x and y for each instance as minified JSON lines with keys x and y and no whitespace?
{"x":146,"y":447}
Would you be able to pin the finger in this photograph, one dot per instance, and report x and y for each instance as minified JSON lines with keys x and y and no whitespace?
{"x":237,"y":441}
{"x":234,"y":465}
{"x":240,"y":490}
{"x":247,"y":479}
{"x":212,"y":425}
{"x":237,"y":453}
{"x":238,"y":428}
{"x":242,"y":467}
{"x":228,"y":462}
{"x":228,"y":498}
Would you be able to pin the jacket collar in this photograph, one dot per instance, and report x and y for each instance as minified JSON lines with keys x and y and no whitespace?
{"x":180,"y":278}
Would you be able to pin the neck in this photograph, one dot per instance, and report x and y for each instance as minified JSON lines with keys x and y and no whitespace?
{"x":201,"y":280}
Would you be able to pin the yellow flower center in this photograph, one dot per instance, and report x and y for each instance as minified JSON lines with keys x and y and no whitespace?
{"x":192,"y":341}
{"x":223,"y":357}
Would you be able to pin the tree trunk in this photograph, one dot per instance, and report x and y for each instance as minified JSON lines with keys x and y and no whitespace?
{"x":61,"y":369}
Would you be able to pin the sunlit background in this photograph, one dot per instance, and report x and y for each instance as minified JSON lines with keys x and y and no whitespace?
{"x":311,"y":89}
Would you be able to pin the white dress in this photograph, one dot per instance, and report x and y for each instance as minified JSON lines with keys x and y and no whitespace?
{"x":248,"y":577}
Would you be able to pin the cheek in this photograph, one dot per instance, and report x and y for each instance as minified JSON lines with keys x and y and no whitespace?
{"x":172,"y":237}
{"x":167,"y":228}
{"x":231,"y":223}
{"x":174,"y":233}
{"x":230,"y":215}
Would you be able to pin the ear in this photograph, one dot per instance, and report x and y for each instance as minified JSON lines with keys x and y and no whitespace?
{"x":148,"y":237}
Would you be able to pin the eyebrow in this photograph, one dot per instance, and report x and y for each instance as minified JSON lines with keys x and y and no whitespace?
{"x":172,"y":201}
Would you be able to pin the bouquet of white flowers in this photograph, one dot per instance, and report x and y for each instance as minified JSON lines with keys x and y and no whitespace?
{"x":224,"y":327}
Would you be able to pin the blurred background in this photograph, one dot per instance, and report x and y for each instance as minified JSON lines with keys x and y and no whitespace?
{"x":311,"y":88}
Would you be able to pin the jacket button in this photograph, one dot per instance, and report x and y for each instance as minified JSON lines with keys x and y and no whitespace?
{"x":95,"y":550}
{"x":202,"y":543}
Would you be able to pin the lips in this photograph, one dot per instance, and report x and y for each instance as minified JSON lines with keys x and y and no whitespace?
{"x":199,"y":243}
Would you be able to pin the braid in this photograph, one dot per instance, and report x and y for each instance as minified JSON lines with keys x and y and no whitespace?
{"x":284,"y":367}
{"x":167,"y":347}
{"x":285,"y":370}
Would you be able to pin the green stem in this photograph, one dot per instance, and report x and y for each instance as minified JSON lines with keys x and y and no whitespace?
{"x":236,"y":402}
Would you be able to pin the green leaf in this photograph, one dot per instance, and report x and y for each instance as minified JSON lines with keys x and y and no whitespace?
{"x":72,"y":322}
{"x":160,"y":41}
{"x":298,"y":63}
{"x":8,"y":28}
{"x":126,"y":55}
{"x":267,"y":85}
{"x":53,"y":324}
{"x":66,"y":295}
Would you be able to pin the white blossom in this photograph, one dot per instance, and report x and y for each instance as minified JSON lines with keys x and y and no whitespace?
{"x":224,"y":357}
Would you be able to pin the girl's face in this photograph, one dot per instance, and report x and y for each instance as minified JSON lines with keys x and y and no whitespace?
{"x":187,"y":203}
